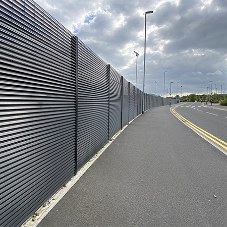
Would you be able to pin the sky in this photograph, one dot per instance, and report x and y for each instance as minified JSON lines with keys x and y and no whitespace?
{"x":186,"y":41}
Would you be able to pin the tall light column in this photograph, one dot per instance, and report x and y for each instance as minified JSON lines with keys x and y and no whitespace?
{"x":144,"y":59}
{"x":136,"y":65}
{"x":177,"y":90}
{"x":136,"y":81}
{"x":170,"y":88}
{"x":211,"y":93}
{"x":155,"y":87}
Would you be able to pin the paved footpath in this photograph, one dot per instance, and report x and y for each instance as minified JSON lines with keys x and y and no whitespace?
{"x":157,"y":172}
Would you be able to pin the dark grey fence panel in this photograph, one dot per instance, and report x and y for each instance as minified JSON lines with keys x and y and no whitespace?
{"x":135,"y":102}
{"x":161,"y":101}
{"x":149,"y":101}
{"x":115,"y":102}
{"x":155,"y":101}
{"x":125,"y":103}
{"x":145,"y":101}
{"x":138,"y":101}
{"x":131,"y":101}
{"x":158,"y":101}
{"x":140,"y":96}
{"x":37,"y":109}
{"x":152,"y":101}
{"x":93,"y":103}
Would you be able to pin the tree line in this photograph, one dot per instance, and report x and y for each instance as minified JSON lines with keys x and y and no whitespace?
{"x":214,"y":98}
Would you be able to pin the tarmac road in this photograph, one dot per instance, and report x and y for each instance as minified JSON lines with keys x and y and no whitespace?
{"x":213,"y":118}
{"x":158,"y":172}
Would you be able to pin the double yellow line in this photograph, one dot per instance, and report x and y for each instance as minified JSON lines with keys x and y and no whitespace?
{"x":207,"y":135}
{"x":222,"y":109}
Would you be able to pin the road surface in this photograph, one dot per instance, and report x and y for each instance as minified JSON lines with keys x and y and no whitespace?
{"x":209,"y":119}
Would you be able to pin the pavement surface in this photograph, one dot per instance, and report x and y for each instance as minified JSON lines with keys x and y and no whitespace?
{"x":158,"y":172}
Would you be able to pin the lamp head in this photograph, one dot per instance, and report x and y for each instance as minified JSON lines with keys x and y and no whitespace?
{"x":136,"y":53}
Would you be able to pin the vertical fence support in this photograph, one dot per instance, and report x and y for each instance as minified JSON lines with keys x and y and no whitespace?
{"x":108,"y":81}
{"x":74,"y":66}
{"x":134,"y":95}
{"x":129,"y":102}
{"x":122,"y":94}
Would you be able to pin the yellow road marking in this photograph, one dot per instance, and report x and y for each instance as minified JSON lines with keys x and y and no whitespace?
{"x":211,"y":137}
{"x":222,"y":109}
{"x":213,"y":107}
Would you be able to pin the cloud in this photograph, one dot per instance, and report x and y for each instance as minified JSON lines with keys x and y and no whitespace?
{"x":183,"y":37}
{"x":218,"y":72}
{"x":197,"y":73}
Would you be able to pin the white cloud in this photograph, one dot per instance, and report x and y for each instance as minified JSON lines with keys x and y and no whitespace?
{"x":217,"y":72}
{"x":197,"y":73}
{"x":188,"y":39}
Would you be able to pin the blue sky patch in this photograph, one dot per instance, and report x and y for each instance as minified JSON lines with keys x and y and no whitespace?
{"x":89,"y":18}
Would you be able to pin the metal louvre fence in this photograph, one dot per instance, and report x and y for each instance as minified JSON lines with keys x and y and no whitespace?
{"x":115,"y":100}
{"x":60,"y":104}
{"x":132,"y":101}
{"x":125,"y":102}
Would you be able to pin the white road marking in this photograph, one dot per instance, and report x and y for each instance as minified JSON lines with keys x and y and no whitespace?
{"x":212,"y":114}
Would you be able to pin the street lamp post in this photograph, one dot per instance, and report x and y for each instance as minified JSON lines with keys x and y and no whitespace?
{"x":211,"y":93}
{"x":181,"y":90}
{"x":177,"y":90}
{"x":136,"y":65}
{"x":164,"y":82}
{"x":155,"y":87}
{"x":144,"y":60}
{"x":136,"y":80}
{"x":170,"y":88}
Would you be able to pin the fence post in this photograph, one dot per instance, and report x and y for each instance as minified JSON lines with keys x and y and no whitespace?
{"x":108,"y":81}
{"x":74,"y":68}
{"x":128,"y":101}
{"x":122,"y":87}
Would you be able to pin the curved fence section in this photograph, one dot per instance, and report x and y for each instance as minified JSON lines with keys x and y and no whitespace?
{"x":60,"y":104}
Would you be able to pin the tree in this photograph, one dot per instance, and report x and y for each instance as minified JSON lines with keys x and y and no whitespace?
{"x":192,"y":97}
